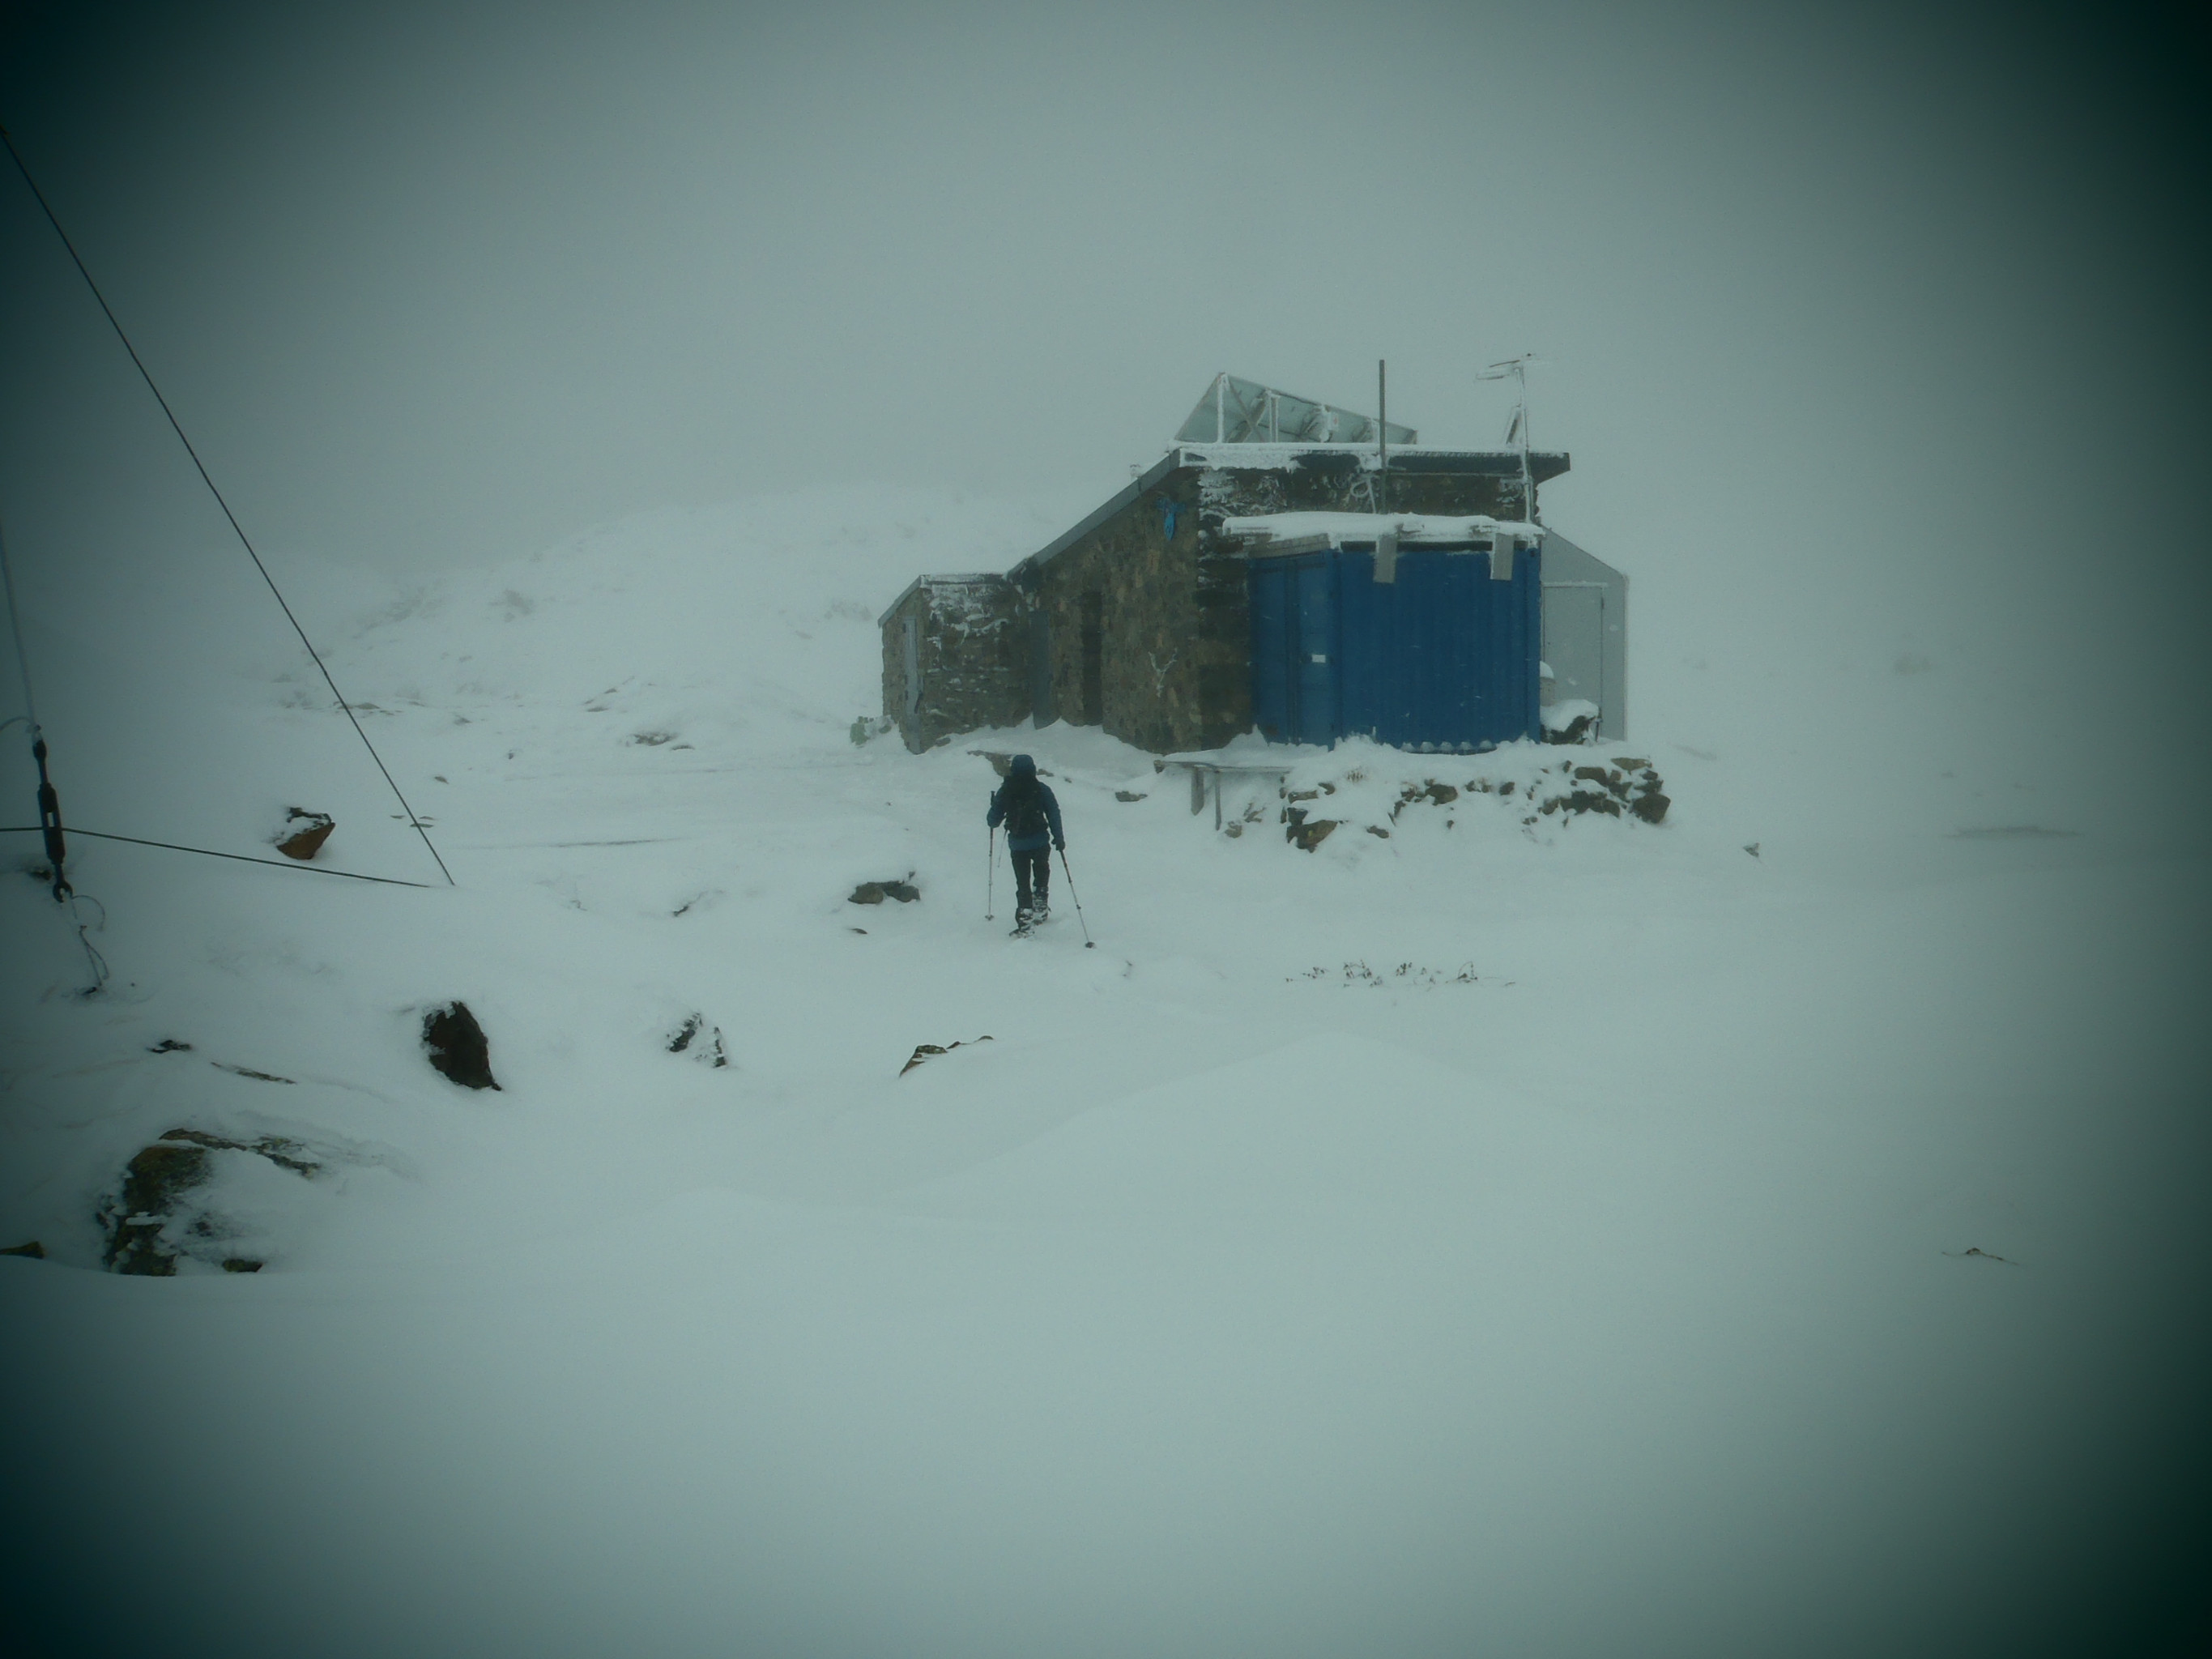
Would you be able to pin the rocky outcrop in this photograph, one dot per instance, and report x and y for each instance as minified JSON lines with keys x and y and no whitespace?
{"x":456,"y":1046}
{"x":1374,"y":788}
{"x":157,"y":1219}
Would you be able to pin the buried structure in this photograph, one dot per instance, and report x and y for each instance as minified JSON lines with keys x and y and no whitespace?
{"x":1286,"y":567}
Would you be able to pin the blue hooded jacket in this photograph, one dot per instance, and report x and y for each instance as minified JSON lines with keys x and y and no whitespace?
{"x":1018,"y":769}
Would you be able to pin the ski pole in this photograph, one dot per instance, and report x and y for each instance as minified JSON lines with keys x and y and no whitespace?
{"x":1089,"y":944}
{"x":990,"y":871}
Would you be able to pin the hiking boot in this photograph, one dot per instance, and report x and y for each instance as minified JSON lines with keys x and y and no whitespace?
{"x":1041,"y":912}
{"x":1025,"y":918}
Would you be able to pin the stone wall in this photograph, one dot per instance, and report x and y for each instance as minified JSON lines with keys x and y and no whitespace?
{"x":971,"y":647}
{"x":1174,"y":657}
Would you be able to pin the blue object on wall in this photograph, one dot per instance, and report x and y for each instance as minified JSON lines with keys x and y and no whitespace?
{"x":1441,"y":658}
{"x":1168,"y":505}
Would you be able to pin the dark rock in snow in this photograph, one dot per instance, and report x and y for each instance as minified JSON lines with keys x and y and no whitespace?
{"x":456,"y":1046}
{"x":875,"y":892}
{"x":1127,"y":795}
{"x":156,"y":1180}
{"x":170,"y":1046}
{"x":702,"y":1041}
{"x":241,"y":1264}
{"x":1651,"y":808}
{"x":35,"y":1250}
{"x":1578,"y":730}
{"x":924,"y":1050}
{"x":304,"y":833}
{"x":247,"y":1070}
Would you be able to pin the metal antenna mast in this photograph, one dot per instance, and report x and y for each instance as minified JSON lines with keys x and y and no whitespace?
{"x":1516,"y":432}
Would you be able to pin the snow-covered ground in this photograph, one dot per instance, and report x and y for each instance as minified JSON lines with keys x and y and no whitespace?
{"x":1576,"y":1239}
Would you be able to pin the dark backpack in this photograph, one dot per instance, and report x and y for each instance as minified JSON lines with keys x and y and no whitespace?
{"x":1025,"y":807}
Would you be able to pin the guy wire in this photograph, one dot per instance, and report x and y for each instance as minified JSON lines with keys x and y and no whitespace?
{"x":238,"y":529}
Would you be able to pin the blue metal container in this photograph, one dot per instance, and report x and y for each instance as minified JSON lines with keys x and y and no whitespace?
{"x":1444,"y":657}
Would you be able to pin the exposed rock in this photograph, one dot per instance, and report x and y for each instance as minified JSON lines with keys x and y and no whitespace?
{"x":241,"y":1264}
{"x":1651,"y":807}
{"x":1125,"y":795}
{"x":1378,"y":830}
{"x":287,"y":1154}
{"x":304,"y":833}
{"x":247,"y":1070}
{"x":1580,"y":729}
{"x":875,"y":892}
{"x":456,"y":1046}
{"x":170,"y":1046}
{"x":924,"y":1050}
{"x":702,"y":1041}
{"x":1308,"y":836}
{"x":35,"y":1250}
{"x":1582,"y":800}
{"x":138,"y":1222}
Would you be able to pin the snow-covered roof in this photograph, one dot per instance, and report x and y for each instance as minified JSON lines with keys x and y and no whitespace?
{"x":1333,"y":529}
{"x":964,"y":579}
{"x":1283,"y":458}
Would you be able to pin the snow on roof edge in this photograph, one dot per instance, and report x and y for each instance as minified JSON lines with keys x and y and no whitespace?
{"x":1365,"y":526}
{"x":907,"y":592}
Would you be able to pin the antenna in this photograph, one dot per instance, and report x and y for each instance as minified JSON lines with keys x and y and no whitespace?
{"x":1382,"y":434}
{"x":1516,"y":370}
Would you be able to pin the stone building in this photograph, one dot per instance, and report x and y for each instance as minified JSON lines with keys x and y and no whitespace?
{"x":1141,"y":617}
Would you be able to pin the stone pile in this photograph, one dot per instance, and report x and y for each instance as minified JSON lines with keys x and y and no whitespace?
{"x":1557,"y":787}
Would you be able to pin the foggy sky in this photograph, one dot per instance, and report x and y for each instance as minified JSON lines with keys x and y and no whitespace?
{"x":1871,"y":330}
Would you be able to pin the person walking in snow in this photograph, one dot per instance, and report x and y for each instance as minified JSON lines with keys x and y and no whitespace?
{"x":1026,"y":806}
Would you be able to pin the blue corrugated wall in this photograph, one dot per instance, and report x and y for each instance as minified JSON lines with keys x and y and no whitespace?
{"x":1444,"y":657}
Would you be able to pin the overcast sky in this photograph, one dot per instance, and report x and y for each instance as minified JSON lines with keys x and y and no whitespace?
{"x":1872,"y":331}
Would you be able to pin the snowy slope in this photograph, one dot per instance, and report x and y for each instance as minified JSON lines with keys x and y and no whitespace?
{"x":1489,"y":1238}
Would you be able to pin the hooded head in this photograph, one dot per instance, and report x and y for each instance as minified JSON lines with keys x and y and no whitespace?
{"x":1021,"y":766}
